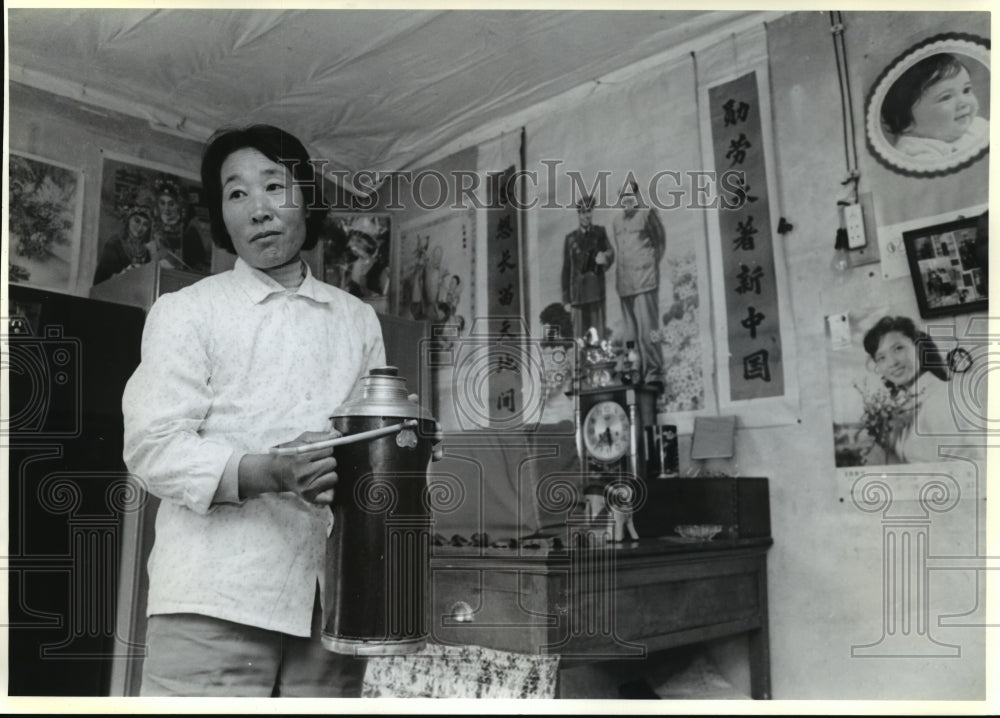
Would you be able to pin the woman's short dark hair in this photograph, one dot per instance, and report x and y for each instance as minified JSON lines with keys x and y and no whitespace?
{"x":278,"y":146}
{"x":897,"y":108}
{"x":929,"y":357}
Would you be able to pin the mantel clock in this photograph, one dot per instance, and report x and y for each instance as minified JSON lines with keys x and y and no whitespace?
{"x":609,"y":423}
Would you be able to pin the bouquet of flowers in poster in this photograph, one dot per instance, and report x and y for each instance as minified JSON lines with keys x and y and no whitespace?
{"x":885,"y":417}
{"x":44,"y":200}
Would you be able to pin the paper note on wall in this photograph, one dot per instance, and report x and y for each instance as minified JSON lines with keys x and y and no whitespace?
{"x":713,"y":437}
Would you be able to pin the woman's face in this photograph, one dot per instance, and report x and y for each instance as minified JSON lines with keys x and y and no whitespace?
{"x":267,"y":229}
{"x":896,"y":358}
{"x":945,"y":109}
{"x":138,"y":226}
{"x":170,"y":209}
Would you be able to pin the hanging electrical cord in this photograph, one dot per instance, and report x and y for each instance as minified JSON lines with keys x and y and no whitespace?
{"x":846,"y":106}
{"x":850,"y":233}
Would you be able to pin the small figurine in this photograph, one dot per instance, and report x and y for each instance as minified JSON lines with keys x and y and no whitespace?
{"x":621,"y":511}
{"x":593,"y":502}
{"x":600,"y":524}
{"x":630,"y":364}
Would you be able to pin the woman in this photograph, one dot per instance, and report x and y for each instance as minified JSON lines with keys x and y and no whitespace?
{"x":128,"y":249}
{"x":232,"y":365}
{"x":925,"y":416}
{"x":169,"y":226}
{"x":179,"y":243}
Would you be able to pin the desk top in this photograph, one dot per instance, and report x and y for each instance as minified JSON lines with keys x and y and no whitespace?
{"x":629,"y":550}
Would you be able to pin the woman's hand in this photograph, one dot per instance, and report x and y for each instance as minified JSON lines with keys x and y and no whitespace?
{"x":312,"y":474}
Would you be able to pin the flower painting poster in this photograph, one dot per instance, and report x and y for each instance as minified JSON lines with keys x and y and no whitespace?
{"x":45,"y":200}
{"x":897,"y":401}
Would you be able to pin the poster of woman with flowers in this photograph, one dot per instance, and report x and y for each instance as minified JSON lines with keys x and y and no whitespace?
{"x":903,"y":392}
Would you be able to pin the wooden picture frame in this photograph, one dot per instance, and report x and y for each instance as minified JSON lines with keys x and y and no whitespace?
{"x":948,"y":266}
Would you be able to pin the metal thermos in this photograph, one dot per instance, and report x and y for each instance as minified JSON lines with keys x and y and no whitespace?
{"x":378,"y":554}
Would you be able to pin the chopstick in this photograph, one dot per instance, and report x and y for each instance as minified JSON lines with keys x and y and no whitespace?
{"x":341,"y":440}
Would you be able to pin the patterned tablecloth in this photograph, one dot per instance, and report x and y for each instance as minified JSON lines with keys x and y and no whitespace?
{"x":461,"y":672}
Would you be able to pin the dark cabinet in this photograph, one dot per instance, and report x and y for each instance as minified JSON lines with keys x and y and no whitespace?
{"x":68,"y":359}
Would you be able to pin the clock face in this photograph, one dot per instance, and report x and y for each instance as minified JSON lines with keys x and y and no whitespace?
{"x":606,"y":431}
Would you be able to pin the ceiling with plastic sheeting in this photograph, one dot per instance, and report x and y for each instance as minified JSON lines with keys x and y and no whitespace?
{"x":372,"y":90}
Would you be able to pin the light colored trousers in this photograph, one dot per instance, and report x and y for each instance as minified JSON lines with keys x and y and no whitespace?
{"x":194,"y":655}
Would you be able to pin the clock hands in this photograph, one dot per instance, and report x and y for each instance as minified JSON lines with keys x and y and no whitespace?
{"x":605,"y":431}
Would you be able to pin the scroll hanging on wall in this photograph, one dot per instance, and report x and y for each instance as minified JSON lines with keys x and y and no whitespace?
{"x":747,"y":253}
{"x":754,"y":334}
{"x":503,"y":286}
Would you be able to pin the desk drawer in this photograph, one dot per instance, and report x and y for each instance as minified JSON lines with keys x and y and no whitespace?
{"x":594,"y":610}
{"x":502,"y":609}
{"x":651,"y":612}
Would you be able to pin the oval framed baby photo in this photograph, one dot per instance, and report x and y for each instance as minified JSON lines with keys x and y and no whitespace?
{"x":927,"y":114}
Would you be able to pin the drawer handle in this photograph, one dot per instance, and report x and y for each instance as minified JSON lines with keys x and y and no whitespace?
{"x":461,"y":612}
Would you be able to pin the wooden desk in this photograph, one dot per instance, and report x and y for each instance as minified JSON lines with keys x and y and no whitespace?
{"x":610,"y":601}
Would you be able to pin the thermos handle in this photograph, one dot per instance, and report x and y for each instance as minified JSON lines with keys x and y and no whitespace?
{"x":341,"y":440}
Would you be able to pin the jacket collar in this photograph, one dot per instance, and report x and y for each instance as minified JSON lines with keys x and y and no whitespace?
{"x":258,"y":286}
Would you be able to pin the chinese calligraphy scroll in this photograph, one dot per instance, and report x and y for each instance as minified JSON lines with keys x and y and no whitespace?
{"x":503,"y":287}
{"x":754,"y":339}
{"x":751,"y":299}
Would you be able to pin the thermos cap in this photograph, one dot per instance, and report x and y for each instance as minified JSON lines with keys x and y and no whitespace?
{"x":382,"y":392}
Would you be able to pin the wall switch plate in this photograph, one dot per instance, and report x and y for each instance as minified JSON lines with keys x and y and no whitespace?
{"x":854,"y":223}
{"x":868,"y":254}
{"x":839,"y":329}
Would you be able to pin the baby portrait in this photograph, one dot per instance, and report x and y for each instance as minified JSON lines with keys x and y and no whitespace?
{"x":928,"y":114}
{"x":932,"y":109}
